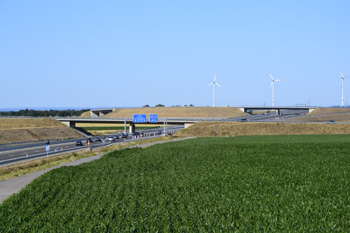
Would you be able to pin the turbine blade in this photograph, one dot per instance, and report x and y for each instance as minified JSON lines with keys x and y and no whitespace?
{"x":278,"y":80}
{"x":210,"y":84}
{"x":218,"y":85}
{"x":271,"y":75}
{"x":214,"y":77}
{"x":341,"y":74}
{"x":271,"y":85}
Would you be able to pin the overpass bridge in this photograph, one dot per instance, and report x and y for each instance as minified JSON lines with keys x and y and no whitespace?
{"x":72,"y":121}
{"x":278,"y":109}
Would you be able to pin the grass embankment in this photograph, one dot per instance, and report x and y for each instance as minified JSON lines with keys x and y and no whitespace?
{"x":329,"y":110}
{"x":220,"y":112}
{"x":243,"y":184}
{"x":326,"y":114}
{"x":18,"y":130}
{"x":21,"y":169}
{"x":339,"y":117}
{"x":205,"y":129}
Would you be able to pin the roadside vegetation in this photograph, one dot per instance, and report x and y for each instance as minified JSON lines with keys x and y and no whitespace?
{"x":243,"y":184}
{"x":208,"y":129}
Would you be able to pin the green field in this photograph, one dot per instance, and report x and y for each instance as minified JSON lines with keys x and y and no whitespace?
{"x":242,"y":184}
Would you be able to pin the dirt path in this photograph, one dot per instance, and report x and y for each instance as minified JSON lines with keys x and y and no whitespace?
{"x":9,"y":187}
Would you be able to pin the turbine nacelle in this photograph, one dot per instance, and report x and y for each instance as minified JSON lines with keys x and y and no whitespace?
{"x":342,"y":76}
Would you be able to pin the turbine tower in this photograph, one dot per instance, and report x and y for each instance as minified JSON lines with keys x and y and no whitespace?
{"x":214,"y":83}
{"x":342,"y":87}
{"x":273,"y":88}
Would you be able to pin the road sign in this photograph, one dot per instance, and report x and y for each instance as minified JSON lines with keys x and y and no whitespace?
{"x":153,"y":118}
{"x":140,"y":118}
{"x":47,"y":148}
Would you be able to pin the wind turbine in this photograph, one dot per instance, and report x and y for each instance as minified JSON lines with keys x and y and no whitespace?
{"x":273,"y":88}
{"x":342,"y":87}
{"x":214,"y":83}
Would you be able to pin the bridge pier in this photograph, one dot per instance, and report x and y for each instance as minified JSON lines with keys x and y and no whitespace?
{"x":132,"y":128}
{"x":69,"y":123}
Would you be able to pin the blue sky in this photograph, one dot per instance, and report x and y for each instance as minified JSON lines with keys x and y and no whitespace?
{"x":131,"y":53}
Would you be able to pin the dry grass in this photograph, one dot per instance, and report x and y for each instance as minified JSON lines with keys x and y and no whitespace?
{"x":223,"y":112}
{"x":12,"y":171}
{"x":204,"y":129}
{"x":339,"y":117}
{"x":21,"y":135}
{"x":19,"y":130}
{"x":86,"y":114}
{"x":7,"y":123}
{"x":329,"y":110}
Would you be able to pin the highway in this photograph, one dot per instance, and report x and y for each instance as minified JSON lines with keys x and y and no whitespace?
{"x":28,"y":150}
{"x":33,"y":150}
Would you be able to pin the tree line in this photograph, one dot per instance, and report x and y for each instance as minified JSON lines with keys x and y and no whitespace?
{"x":45,"y":113}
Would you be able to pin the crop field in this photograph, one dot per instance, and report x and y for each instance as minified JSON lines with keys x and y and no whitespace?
{"x":243,"y":184}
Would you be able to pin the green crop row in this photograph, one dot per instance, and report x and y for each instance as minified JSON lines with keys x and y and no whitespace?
{"x":240,"y":184}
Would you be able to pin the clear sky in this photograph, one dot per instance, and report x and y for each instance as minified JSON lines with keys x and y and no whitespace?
{"x":83,"y":53}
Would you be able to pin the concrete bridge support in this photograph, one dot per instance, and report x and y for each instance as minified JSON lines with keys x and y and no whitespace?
{"x":132,"y":128}
{"x":69,"y":123}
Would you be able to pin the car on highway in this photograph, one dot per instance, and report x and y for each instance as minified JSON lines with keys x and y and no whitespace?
{"x":136,"y":134}
{"x":331,"y":122}
{"x":111,"y":139}
{"x":98,"y":139}
{"x":89,"y":140}
{"x":244,"y":120}
{"x":47,"y":142}
{"x":124,"y":135}
{"x":79,"y":143}
{"x":159,"y":132}
{"x":116,"y":136}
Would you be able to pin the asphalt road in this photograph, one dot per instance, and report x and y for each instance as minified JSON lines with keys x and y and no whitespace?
{"x":30,"y":151}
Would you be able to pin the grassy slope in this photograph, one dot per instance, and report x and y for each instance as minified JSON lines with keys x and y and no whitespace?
{"x":270,"y":183}
{"x":8,"y":123}
{"x":342,"y":117}
{"x":329,"y":110}
{"x":17,"y":130}
{"x":326,"y":114}
{"x":224,"y":112}
{"x":204,"y":129}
